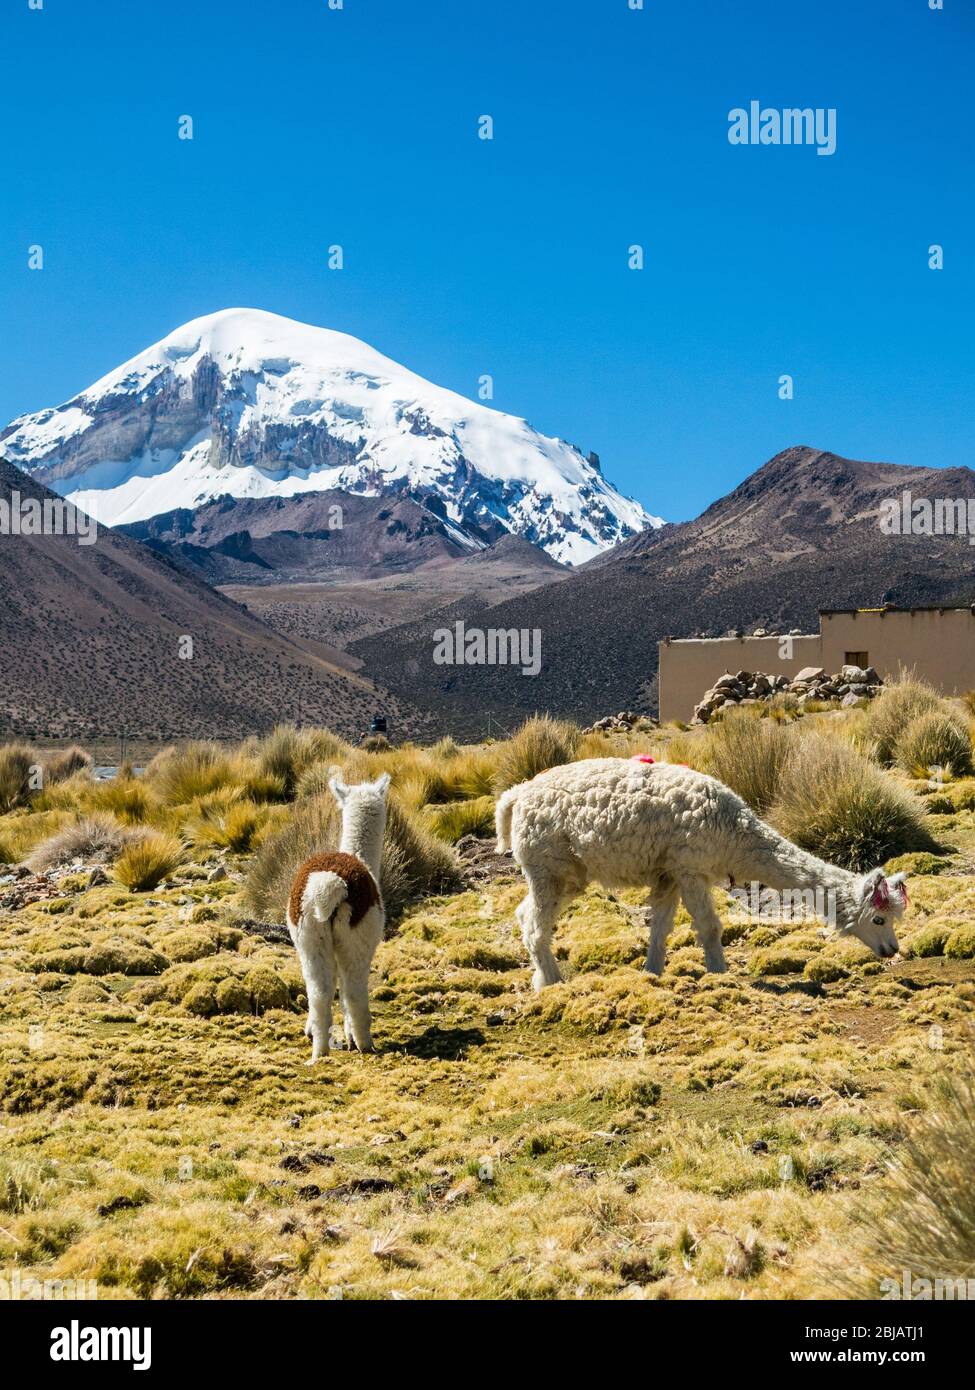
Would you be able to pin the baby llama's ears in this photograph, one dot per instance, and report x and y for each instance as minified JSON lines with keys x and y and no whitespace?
{"x":338,"y":789}
{"x":382,"y":783}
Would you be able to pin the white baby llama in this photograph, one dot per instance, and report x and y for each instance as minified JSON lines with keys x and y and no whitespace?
{"x":630,"y":823}
{"x":336,"y":917}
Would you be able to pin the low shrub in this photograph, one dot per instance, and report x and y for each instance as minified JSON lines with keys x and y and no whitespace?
{"x":18,"y":764}
{"x":68,"y":762}
{"x":540,"y":743}
{"x":460,"y":818}
{"x":232,"y":826}
{"x":934,"y":740}
{"x":748,"y":755}
{"x":147,"y":860}
{"x":184,"y":772}
{"x":287,"y":752}
{"x":98,"y":837}
{"x":901,"y":702}
{"x":838,"y":805}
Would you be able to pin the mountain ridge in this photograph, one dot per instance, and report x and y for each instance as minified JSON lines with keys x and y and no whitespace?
{"x":252,"y":404}
{"x":111,"y":636}
{"x":799,"y":534}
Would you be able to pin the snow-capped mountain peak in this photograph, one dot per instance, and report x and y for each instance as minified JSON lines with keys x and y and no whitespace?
{"x":248,"y":404}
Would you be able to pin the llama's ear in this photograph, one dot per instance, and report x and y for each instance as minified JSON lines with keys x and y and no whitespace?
{"x":874,"y":888}
{"x":338,"y":789}
{"x":898,"y":887}
{"x":382,"y":783}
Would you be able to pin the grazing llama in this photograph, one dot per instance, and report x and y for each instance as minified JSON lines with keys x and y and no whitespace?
{"x":336,"y":917}
{"x":630,"y":823}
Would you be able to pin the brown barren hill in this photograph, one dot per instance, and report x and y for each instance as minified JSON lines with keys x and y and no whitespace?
{"x":801,"y":533}
{"x":108,"y":636}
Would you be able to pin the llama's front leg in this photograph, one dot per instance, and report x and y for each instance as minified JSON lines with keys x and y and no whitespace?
{"x":537,"y":916}
{"x":696,"y":893}
{"x":663,"y":908}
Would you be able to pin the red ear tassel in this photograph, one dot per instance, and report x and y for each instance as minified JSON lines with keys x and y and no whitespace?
{"x":881,"y":895}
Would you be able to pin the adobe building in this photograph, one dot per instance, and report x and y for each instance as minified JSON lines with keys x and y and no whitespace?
{"x":937,"y":643}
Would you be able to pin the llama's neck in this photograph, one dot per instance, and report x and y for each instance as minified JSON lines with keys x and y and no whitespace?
{"x":363,"y":828}
{"x":762,"y":855}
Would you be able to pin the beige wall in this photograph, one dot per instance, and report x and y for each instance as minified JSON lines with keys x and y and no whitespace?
{"x":938,"y":643}
{"x":690,"y":666}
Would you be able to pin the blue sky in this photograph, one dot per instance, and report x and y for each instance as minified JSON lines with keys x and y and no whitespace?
{"x":509,"y":257}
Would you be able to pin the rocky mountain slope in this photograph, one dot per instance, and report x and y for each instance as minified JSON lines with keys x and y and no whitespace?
{"x":251,"y":405}
{"x":273,"y":540}
{"x":800,"y":534}
{"x":94,"y":641}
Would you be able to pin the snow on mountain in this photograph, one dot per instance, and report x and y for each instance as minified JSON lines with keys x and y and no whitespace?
{"x":248,"y":404}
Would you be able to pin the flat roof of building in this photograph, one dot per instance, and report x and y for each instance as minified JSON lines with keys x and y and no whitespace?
{"x":894,"y":608}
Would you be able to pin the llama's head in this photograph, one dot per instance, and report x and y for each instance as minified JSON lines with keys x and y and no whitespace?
{"x":363,"y":814}
{"x":362,"y":796}
{"x":877,"y":905}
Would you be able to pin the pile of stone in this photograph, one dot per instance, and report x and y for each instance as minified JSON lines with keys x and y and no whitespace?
{"x":849,"y":686}
{"x":622,"y":723}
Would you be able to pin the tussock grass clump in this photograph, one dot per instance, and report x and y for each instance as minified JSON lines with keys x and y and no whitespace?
{"x":749,"y":755}
{"x":126,"y":797}
{"x":415,"y":863}
{"x":149,"y":859}
{"x":233,"y":825}
{"x":445,"y":748}
{"x":17,"y":765}
{"x":937,"y":739}
{"x":540,"y":743}
{"x":924,"y":1220}
{"x":185,"y":772}
{"x":837,"y":804}
{"x":68,"y":762}
{"x":891,"y":712}
{"x":287,"y":752}
{"x":460,"y":818}
{"x":98,"y":836}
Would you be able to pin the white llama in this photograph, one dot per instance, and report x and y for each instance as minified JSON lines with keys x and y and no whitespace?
{"x":630,"y":823}
{"x":336,"y":917}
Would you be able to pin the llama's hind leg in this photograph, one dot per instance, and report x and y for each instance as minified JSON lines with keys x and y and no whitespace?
{"x":354,"y":950}
{"x":663,"y":908}
{"x":537,"y":915}
{"x":314,"y":943}
{"x":696,"y":893}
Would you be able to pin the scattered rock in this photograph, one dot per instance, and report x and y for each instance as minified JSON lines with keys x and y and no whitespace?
{"x":851,"y":685}
{"x":623,"y":723}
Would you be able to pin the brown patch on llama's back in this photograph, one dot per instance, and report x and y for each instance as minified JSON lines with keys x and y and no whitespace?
{"x":361,"y":890}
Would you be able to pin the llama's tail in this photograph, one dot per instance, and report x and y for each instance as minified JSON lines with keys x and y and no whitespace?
{"x":502,"y":819}
{"x":330,"y":892}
